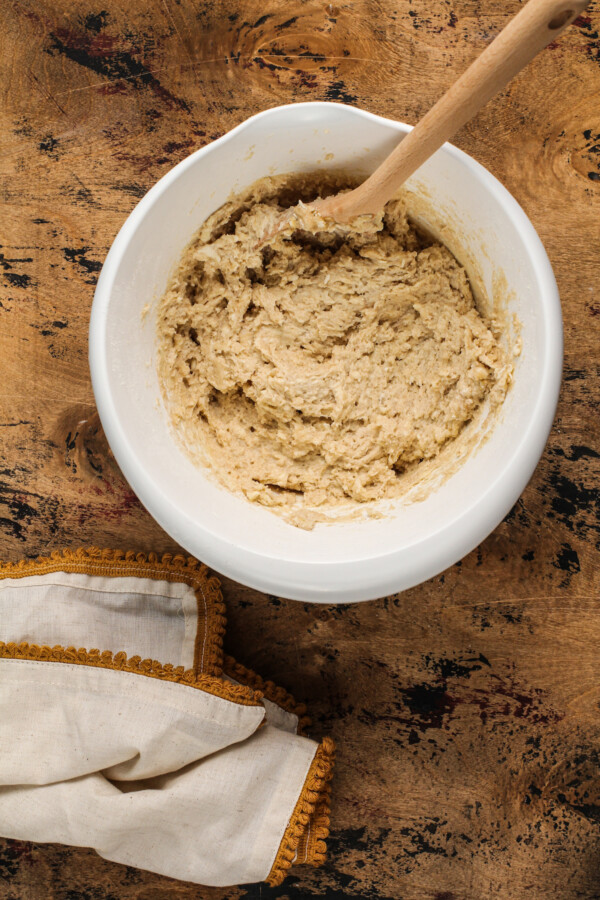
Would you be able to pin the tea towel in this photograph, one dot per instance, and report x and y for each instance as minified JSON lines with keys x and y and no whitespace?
{"x":123,"y":727}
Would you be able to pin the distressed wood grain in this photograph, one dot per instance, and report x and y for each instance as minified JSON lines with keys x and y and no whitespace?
{"x":467,"y":710}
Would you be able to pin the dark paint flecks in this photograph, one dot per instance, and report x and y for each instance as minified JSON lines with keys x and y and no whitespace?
{"x":591,"y":811}
{"x":48,"y":145}
{"x":95,"y":22}
{"x":576,"y":452}
{"x":419,"y":842}
{"x":451,"y":668}
{"x":136,"y":190}
{"x":591,"y":35}
{"x":21,"y":513}
{"x":262,"y":20}
{"x":6,"y":262}
{"x":571,"y":499}
{"x":12,"y":855}
{"x":287,"y":24}
{"x":77,"y":255}
{"x":100,"y":54}
{"x":428,"y":704}
{"x":21,"y":281}
{"x":567,"y":559}
{"x":337,"y":91}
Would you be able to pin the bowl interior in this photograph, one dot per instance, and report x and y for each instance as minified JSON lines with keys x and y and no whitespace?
{"x":491,"y":236}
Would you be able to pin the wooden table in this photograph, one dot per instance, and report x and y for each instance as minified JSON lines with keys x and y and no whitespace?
{"x":467,"y":710}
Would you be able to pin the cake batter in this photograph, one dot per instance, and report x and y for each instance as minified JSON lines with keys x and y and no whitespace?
{"x":316,"y":369}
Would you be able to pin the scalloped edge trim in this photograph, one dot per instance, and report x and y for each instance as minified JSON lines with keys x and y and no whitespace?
{"x":312,"y":849}
{"x":168,"y":567}
{"x":312,"y":808}
{"x":120,"y":662}
{"x":269,"y":690}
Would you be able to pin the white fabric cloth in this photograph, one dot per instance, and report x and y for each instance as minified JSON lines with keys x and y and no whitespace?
{"x":184,"y":777}
{"x":141,"y":616}
{"x":90,"y":719}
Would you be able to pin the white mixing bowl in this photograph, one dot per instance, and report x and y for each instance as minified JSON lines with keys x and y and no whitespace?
{"x":357,"y":560}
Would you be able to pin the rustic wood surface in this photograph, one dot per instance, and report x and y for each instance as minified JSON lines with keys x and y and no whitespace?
{"x":467,"y":710}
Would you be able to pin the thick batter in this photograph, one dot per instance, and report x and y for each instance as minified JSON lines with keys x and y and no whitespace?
{"x":316,"y":369}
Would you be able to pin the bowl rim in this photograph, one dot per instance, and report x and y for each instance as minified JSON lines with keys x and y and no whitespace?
{"x":335,"y":581}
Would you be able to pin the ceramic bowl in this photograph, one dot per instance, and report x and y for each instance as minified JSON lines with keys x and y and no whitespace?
{"x":349,"y":561}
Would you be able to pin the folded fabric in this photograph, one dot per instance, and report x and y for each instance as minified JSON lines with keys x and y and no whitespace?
{"x":192,"y":767}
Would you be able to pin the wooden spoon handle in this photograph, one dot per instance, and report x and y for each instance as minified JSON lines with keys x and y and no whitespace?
{"x":538,"y":23}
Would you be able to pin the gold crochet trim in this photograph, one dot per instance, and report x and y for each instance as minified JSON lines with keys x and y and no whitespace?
{"x":311,"y":849}
{"x":269,"y":690}
{"x":135,"y":664}
{"x":308,"y":828}
{"x":208,"y":650}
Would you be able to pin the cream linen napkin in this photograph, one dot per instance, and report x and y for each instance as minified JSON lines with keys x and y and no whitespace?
{"x":165,"y":755}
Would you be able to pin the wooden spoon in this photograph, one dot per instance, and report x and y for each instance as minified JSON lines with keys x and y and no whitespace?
{"x":535,"y":26}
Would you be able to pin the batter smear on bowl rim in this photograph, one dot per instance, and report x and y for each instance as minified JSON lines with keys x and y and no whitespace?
{"x":315,"y":370}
